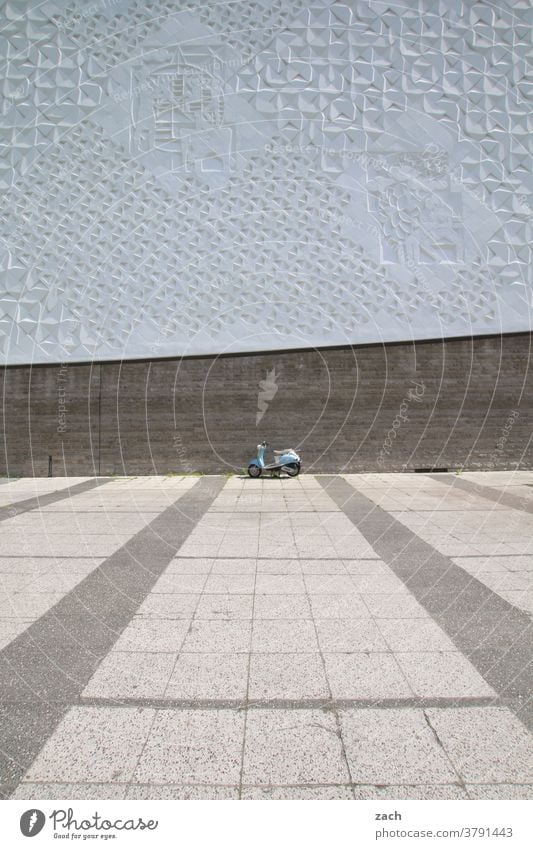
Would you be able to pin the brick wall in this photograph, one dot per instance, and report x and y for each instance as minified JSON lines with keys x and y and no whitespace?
{"x":455,"y":403}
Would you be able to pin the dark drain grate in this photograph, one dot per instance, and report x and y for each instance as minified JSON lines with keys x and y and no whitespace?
{"x":431,"y":470}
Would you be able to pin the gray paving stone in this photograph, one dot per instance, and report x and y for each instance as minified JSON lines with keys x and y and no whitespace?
{"x":394,"y":606}
{"x":28,"y":605}
{"x":169,"y":605}
{"x":224,"y":607}
{"x":281,"y":607}
{"x":500,"y":791}
{"x":218,"y":636}
{"x":190,"y":566}
{"x":293,"y":747}
{"x":349,"y":635}
{"x":347,"y":606}
{"x":11,"y":628}
{"x":181,"y":791}
{"x":378,"y":584}
{"x":228,"y":584}
{"x":330,"y":584}
{"x":215,"y":675}
{"x":193,"y":747}
{"x":131,"y":675}
{"x":299,"y":792}
{"x":393,"y":746}
{"x":323,"y":567}
{"x":405,"y":635}
{"x":287,"y":676}
{"x":444,"y":674}
{"x":153,"y":635}
{"x":176,"y":583}
{"x":234,"y":566}
{"x":366,"y":567}
{"x":280,"y":566}
{"x":32,"y":790}
{"x":519,"y":598}
{"x":416,"y":791}
{"x":365,"y":676}
{"x":486,"y":745}
{"x":276,"y":584}
{"x":284,"y":635}
{"x":93,"y":745}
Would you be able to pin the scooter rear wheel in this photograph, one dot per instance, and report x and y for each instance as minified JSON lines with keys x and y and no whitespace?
{"x":292,"y":469}
{"x":254,"y":471}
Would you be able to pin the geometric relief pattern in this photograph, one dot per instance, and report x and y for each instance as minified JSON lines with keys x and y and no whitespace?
{"x":187,"y":178}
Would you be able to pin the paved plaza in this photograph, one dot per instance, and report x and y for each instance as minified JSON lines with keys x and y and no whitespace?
{"x":327,"y":637}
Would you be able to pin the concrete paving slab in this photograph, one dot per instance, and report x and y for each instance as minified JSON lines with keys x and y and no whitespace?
{"x":323,"y":567}
{"x":301,"y":792}
{"x":349,"y":635}
{"x":445,"y":674}
{"x":500,"y":791}
{"x":190,"y":566}
{"x":181,"y":791}
{"x":278,"y":584}
{"x":293,"y":747}
{"x":394,"y":606}
{"x":358,"y":675}
{"x":284,"y":635}
{"x":279,"y":566}
{"x":406,"y":635}
{"x":233,"y":566}
{"x":394,"y":746}
{"x":347,"y":606}
{"x":34,"y":790}
{"x":330,"y":584}
{"x":291,"y":606}
{"x":93,"y":745}
{"x":169,"y":605}
{"x":131,"y":674}
{"x":287,"y":676}
{"x":193,"y":747}
{"x":218,"y":636}
{"x":206,"y":676}
{"x":152,"y":635}
{"x":486,"y":745}
{"x":224,"y":606}
{"x":228,"y":584}
{"x":414,"y":791}
{"x":176,"y":583}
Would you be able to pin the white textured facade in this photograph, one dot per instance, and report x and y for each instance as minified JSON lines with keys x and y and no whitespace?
{"x":186,"y":178}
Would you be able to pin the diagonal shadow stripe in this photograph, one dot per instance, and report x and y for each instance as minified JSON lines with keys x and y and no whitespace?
{"x":495,"y":636}
{"x":11,"y":510}
{"x":500,"y":496}
{"x":44,"y":670}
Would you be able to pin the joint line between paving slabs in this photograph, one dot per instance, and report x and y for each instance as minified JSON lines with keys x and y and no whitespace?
{"x":289,"y":704}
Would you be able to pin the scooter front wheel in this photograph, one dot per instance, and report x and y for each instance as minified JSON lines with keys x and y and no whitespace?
{"x":292,"y":469}
{"x":254,"y":471}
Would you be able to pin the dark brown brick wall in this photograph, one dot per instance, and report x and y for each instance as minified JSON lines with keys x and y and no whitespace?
{"x":336,"y":405}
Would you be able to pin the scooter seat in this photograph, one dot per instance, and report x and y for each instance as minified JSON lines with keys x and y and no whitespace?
{"x":284,"y":451}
